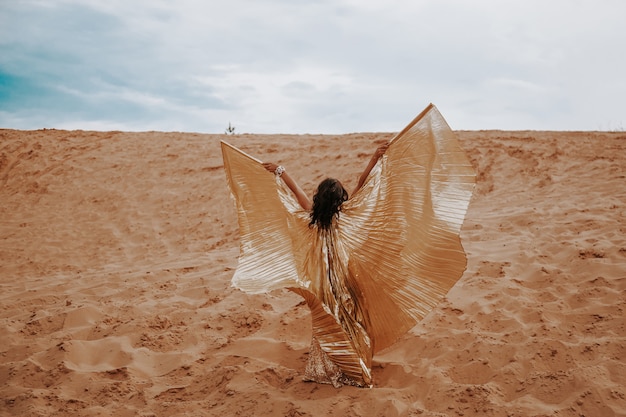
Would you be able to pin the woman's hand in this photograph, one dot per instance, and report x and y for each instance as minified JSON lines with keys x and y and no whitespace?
{"x":380,"y":151}
{"x":271,"y":167}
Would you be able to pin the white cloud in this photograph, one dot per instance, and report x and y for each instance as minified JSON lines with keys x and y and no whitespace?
{"x":299,"y":66}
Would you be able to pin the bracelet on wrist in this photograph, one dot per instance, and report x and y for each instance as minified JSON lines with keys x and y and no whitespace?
{"x":279,"y":170}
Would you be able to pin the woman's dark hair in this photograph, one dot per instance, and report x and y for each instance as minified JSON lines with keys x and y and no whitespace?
{"x":327,"y":202}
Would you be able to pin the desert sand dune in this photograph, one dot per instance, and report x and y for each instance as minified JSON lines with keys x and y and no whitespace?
{"x":117,"y":249}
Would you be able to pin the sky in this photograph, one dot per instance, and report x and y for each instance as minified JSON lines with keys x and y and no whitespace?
{"x":304,"y":66}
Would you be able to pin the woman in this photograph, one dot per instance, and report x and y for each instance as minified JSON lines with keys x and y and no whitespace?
{"x":325,"y":209}
{"x":369,"y":267}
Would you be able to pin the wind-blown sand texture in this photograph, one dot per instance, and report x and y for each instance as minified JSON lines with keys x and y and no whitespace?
{"x":117,"y":249}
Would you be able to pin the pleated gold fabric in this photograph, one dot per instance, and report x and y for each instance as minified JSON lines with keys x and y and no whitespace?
{"x":390,"y":256}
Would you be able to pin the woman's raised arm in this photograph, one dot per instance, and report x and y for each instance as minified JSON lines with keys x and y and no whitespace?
{"x":380,"y":151}
{"x":302,"y":198}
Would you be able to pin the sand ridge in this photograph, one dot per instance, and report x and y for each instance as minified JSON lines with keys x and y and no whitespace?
{"x":117,"y":250}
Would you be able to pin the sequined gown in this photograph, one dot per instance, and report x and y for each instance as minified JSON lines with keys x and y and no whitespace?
{"x":390,"y":256}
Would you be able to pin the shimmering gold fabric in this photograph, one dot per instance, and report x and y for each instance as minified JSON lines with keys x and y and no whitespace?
{"x":391,"y":255}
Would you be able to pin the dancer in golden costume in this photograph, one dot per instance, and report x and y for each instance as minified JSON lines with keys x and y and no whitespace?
{"x":370,"y":266}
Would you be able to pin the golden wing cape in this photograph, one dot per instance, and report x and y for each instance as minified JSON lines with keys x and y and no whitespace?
{"x":391,"y":256}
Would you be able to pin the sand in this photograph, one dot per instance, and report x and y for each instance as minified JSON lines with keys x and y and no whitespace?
{"x":117,"y":250}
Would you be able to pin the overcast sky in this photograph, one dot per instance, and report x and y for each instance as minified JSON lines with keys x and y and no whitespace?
{"x":299,"y":66}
